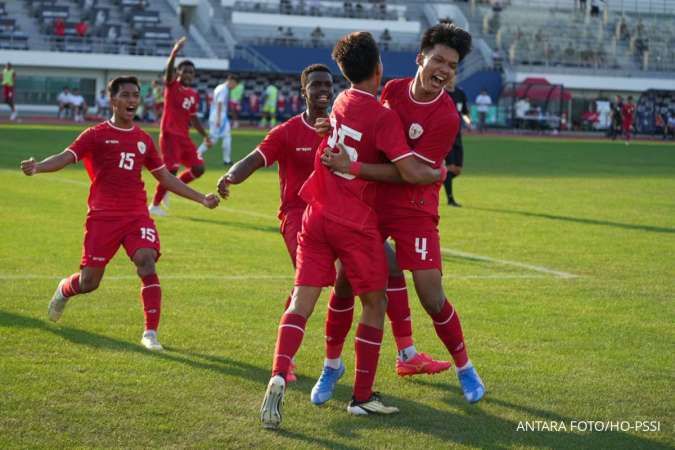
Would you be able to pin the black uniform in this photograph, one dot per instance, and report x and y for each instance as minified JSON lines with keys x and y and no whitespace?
{"x":456,"y":156}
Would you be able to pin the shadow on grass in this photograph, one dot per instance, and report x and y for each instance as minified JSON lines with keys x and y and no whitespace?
{"x":474,"y":427}
{"x":625,"y":226}
{"x":233,"y":224}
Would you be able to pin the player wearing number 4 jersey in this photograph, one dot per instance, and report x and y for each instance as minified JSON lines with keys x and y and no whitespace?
{"x":114,"y":153}
{"x":409,"y":213}
{"x":180,"y":111}
{"x":339,"y":223}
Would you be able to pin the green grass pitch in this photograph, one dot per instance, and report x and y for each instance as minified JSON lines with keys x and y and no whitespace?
{"x":560,"y":263}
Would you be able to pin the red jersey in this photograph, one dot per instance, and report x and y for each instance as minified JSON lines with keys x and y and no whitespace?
{"x":430,"y":128}
{"x":627,"y":112}
{"x":372,"y":134}
{"x":114,"y":158}
{"x":292,"y":144}
{"x":180,"y":104}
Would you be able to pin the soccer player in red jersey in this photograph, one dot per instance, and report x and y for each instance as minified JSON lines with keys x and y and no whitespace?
{"x":340,"y":222}
{"x":114,"y":153}
{"x":293,"y":146}
{"x":409,"y":213}
{"x":180,"y":111}
{"x":627,"y":118}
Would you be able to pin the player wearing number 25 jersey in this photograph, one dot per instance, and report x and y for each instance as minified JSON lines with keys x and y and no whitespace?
{"x":114,"y":154}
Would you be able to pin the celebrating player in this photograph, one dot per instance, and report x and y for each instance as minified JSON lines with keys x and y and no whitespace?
{"x":180,"y":110}
{"x":339,"y":222}
{"x":114,"y":153}
{"x":627,"y":117}
{"x":408,"y":213}
{"x":219,"y":123}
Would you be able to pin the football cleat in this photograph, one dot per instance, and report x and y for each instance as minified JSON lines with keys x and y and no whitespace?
{"x":270,"y":411}
{"x":57,"y":304}
{"x":472,"y":385}
{"x":149,"y":341}
{"x":325,"y":385}
{"x":421,"y":363}
{"x":155,"y":210}
{"x":373,"y":405}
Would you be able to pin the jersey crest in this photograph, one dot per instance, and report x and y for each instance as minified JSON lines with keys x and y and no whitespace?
{"x":141,"y":147}
{"x":415,"y":131}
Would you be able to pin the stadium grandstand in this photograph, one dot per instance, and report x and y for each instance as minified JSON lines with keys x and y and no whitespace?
{"x":592,"y":50}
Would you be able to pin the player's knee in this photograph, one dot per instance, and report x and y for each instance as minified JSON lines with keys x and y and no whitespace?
{"x":145,"y":262}
{"x":432,"y":304}
{"x":88,"y":283}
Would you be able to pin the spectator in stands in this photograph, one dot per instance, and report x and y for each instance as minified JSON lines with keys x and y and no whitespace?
{"x":317,"y":36}
{"x":483,"y":103}
{"x":79,"y":105}
{"x":100,"y":19}
{"x":158,"y":93}
{"x":82,"y":28}
{"x":595,"y":8}
{"x":385,"y":39}
{"x":349,"y":9}
{"x":269,"y":109}
{"x":236,"y":95}
{"x":59,"y":32}
{"x":103,"y":104}
{"x":65,"y":104}
{"x":8,"y":88}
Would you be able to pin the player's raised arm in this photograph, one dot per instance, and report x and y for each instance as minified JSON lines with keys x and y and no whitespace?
{"x":173,"y":184}
{"x":170,"y":72}
{"x":49,"y":164}
{"x":405,"y":170}
{"x":240,"y":172}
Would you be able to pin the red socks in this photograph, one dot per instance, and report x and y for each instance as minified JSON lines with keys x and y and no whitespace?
{"x":368,"y":342}
{"x":449,"y":330}
{"x":338,"y":322}
{"x":289,"y":338}
{"x":151,"y":296}
{"x":398,"y":311}
{"x":71,"y":286}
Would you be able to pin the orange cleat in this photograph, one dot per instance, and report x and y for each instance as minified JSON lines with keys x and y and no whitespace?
{"x":421,"y":363}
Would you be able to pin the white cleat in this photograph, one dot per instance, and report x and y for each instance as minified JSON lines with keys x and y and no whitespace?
{"x":371,"y":406}
{"x":150,"y":341}
{"x":57,"y":304}
{"x":270,"y":411}
{"x":156,"y":210}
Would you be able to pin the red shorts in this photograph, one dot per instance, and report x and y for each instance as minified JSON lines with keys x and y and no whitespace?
{"x":8,"y":93}
{"x":104,"y":235}
{"x":418,"y":244}
{"x":627,"y":126}
{"x":234,"y":106}
{"x":291,"y":224}
{"x":322,"y":241}
{"x":177,"y":150}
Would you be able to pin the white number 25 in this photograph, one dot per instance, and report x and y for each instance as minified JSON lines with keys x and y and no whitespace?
{"x":338,"y":136}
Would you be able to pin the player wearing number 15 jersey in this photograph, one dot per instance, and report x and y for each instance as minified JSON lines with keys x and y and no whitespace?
{"x":114,"y":153}
{"x":339,"y":222}
{"x":180,"y":111}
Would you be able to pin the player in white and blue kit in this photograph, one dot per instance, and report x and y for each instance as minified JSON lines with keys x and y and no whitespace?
{"x":219,"y":124}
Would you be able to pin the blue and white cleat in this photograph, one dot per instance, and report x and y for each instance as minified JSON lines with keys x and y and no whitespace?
{"x":472,"y":385}
{"x":325,"y":385}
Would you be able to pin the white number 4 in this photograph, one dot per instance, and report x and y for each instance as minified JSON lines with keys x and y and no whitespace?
{"x":126,"y":161}
{"x":149,"y":234}
{"x":421,"y":247}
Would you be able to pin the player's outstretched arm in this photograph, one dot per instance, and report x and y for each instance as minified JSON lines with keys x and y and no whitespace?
{"x":240,"y":172}
{"x":49,"y":164}
{"x":200,"y":129}
{"x":406,"y":170}
{"x":170,"y":72}
{"x":173,"y":184}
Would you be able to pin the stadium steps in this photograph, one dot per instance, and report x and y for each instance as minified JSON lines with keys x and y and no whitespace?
{"x":169,"y":18}
{"x":27,"y":24}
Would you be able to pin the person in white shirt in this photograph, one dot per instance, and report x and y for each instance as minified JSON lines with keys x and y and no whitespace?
{"x":103,"y":104}
{"x":483,"y":102}
{"x":219,"y":124}
{"x":79,"y":105}
{"x":65,"y":105}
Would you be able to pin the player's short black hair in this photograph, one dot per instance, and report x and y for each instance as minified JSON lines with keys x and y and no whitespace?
{"x":304,"y":76}
{"x":357,"y":55}
{"x":185,"y":63}
{"x":233,"y":77}
{"x":447,"y":34}
{"x":116,"y":83}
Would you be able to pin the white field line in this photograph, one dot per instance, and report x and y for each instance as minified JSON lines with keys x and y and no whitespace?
{"x":449,"y":251}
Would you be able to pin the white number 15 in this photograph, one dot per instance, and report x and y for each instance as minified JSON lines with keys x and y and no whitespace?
{"x":338,"y":136}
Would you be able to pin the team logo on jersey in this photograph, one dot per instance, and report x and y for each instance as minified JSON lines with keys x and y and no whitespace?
{"x":141,"y":147}
{"x":415,"y":131}
{"x":303,"y":149}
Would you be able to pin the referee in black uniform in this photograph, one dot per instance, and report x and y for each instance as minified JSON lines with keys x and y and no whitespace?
{"x":455,"y":159}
